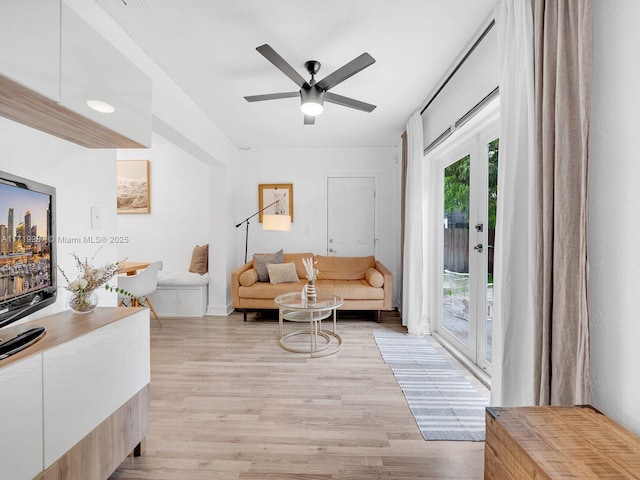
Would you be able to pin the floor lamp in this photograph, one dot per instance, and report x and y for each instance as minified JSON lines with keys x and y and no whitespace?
{"x":269,"y":222}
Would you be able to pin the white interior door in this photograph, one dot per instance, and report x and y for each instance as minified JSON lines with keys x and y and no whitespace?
{"x":350,"y":216}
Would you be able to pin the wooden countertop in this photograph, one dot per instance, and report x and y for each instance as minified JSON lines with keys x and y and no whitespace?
{"x":62,"y":327}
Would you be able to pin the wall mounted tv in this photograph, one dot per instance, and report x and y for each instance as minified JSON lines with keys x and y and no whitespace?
{"x":27,"y":247}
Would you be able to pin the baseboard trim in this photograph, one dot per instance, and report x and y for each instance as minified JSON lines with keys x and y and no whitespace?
{"x":222,"y":311}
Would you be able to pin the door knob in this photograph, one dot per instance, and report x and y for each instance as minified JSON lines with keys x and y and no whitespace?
{"x":331,"y":250}
{"x":478,"y":247}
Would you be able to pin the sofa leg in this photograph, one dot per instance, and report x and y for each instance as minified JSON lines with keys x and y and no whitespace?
{"x":378,"y":316}
{"x":244,"y":314}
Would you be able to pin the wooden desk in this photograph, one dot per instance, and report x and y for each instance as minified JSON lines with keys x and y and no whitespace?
{"x":131,"y":268}
{"x":558,"y":443}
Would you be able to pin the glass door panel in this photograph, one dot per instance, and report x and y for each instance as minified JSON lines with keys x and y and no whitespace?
{"x":492,"y":202}
{"x":469,"y":202}
{"x":456,"y":300}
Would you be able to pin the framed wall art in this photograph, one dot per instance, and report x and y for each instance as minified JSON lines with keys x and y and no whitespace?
{"x":278,"y":194}
{"x":132,"y":190}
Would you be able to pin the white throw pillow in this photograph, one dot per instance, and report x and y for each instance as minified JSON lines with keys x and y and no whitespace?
{"x":282,"y":273}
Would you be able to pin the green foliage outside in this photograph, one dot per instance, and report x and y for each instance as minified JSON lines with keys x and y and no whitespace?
{"x":493,"y":183}
{"x":456,"y":185}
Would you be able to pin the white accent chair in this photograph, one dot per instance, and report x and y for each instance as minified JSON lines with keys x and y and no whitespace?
{"x":140,"y":286}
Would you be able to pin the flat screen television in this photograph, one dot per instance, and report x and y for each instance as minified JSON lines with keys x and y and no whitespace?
{"x":27,"y":247}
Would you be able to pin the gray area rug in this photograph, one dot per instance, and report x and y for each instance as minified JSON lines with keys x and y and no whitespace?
{"x":443,"y":402}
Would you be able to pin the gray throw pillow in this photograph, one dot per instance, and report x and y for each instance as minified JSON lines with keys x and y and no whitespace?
{"x":260,"y":261}
{"x":282,"y":273}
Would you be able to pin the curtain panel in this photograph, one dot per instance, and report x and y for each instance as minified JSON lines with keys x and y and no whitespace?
{"x":541,"y":323}
{"x":403,"y":207}
{"x":512,"y":381}
{"x":413,"y":268}
{"x":563,"y":60}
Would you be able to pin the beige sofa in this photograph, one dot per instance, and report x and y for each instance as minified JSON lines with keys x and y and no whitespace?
{"x":363,"y":282}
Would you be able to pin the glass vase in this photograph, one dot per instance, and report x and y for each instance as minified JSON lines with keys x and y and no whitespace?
{"x":83,"y":302}
{"x":311,"y":291}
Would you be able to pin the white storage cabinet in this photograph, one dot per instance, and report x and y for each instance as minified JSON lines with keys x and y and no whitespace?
{"x":181,"y":294}
{"x":30,"y":44}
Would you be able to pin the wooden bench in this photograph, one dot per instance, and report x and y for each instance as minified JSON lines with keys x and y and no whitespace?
{"x":558,"y":443}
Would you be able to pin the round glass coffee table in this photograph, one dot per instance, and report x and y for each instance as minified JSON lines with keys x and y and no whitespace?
{"x":296,"y":309}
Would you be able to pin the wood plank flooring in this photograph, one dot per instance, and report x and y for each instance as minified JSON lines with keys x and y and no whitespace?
{"x":227,"y":403}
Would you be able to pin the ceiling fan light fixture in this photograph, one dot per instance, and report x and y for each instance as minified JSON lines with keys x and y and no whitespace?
{"x":312,"y":108}
{"x":312,"y":92}
{"x":311,"y":101}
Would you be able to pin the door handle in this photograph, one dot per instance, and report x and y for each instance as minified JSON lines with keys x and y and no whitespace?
{"x":478,"y":247}
{"x":331,"y":250}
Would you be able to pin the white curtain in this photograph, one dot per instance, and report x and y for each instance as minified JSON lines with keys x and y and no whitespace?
{"x":413,"y":285}
{"x":512,"y":382}
{"x":432,"y":243}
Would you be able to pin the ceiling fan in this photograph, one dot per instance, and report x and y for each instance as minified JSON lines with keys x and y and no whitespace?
{"x":313,"y":93}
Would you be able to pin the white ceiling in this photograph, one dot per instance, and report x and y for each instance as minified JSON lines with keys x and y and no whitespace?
{"x":208,"y":48}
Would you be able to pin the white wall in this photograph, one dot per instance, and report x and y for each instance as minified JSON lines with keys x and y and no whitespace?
{"x":614,"y":222}
{"x":83,"y":178}
{"x":179,"y":217}
{"x":178,"y":119}
{"x":307,"y":170}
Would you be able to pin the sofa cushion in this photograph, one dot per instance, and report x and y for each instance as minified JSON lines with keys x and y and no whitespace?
{"x":344,"y":268}
{"x":350,"y":289}
{"x":297,"y":259}
{"x":264,"y":290}
{"x":248,"y":278}
{"x":200,"y":259}
{"x":282,"y":273}
{"x":374,"y":277}
{"x":260,"y":261}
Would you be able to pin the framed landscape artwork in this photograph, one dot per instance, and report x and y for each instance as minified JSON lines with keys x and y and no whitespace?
{"x":282,"y":193}
{"x":132,"y":189}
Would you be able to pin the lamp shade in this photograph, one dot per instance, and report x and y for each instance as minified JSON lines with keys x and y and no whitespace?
{"x":276,"y":222}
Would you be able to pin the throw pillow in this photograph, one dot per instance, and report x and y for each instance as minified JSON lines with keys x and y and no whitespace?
{"x":374,"y":277}
{"x":260,"y":261}
{"x":248,"y":278}
{"x":200,"y":259}
{"x":282,"y":273}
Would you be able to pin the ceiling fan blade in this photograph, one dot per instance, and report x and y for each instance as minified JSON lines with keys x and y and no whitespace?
{"x":346,"y":71}
{"x":280,"y":63}
{"x":309,"y":120}
{"x":348,"y":102}
{"x":271,"y":96}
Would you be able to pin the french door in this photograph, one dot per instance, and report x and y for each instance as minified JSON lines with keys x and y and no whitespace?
{"x":469,"y":197}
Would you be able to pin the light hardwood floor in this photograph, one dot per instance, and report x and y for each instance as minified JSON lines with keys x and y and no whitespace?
{"x":228,"y":403}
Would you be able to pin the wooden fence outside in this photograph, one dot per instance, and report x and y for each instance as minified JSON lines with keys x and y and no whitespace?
{"x":456,"y":248}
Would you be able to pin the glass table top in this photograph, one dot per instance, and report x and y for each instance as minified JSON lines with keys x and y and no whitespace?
{"x":294,"y":300}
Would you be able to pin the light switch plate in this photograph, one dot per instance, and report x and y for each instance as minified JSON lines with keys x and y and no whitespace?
{"x":96,"y":217}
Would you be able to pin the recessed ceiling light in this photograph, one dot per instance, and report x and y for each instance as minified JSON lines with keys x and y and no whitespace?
{"x":100,"y":106}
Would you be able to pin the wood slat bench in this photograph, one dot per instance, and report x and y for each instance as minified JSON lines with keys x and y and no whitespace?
{"x":558,"y":443}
